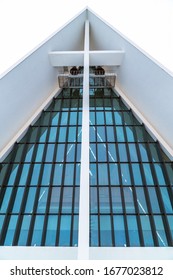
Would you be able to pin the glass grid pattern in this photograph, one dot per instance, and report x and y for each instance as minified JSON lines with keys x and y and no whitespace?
{"x":39,"y":194}
{"x":131,"y":179}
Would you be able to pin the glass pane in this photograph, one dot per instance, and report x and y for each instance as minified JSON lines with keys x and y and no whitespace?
{"x":93,"y":174}
{"x":42,"y":200}
{"x":55,"y":200}
{"x":109,"y":119}
{"x":102,"y":174}
{"x":110,"y":134}
{"x":114,"y":176}
{"x":69,"y":174}
{"x":62,"y":134}
{"x":104,"y":202}
{"x":125,"y":174}
{"x":119,"y":231}
{"x":29,"y":152}
{"x":146,"y":230}
{"x":118,"y":118}
{"x":137,"y":174}
{"x":72,"y":134}
{"x":133,"y":152}
{"x":142,"y":205}
{"x":52,"y":134}
{"x":112,"y":156}
{"x":38,"y":230}
{"x":128,"y":197}
{"x":154,"y":200}
{"x":13,"y":173}
{"x":24,"y":230}
{"x":116,"y":200}
{"x":60,"y":153}
{"x":101,"y":152}
{"x":35,"y":174}
{"x":148,"y":174}
{"x":75,"y":230}
{"x":122,"y":152}
{"x":67,"y":200}
{"x":39,"y":154}
{"x":46,"y":174}
{"x":24,"y":174}
{"x":166,"y":200}
{"x":70,"y":155}
{"x":51,"y":230}
{"x":133,"y":231}
{"x":159,"y":174}
{"x":94,"y":230}
{"x":120,"y":134}
{"x":105,"y":230}
{"x":143,"y":151}
{"x":18,"y":200}
{"x":101,"y":134}
{"x":65,"y":230}
{"x":6,"y":199}
{"x":30,"y":200}
{"x":93,"y":200}
{"x":160,"y":231}
{"x":11,"y":230}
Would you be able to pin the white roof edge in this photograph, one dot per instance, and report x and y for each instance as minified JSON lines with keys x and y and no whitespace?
{"x":133,"y":43}
{"x":40,"y":44}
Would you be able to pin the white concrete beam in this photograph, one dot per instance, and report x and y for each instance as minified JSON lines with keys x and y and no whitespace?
{"x":107,"y":58}
{"x":66,"y":58}
{"x":83,"y":236}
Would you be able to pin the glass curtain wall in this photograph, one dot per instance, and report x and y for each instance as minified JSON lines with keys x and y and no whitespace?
{"x":131,"y":193}
{"x":39,"y":194}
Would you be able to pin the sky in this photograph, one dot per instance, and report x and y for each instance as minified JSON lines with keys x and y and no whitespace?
{"x":24,"y":24}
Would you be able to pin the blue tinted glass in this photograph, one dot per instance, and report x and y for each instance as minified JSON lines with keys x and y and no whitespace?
{"x":70,"y":155}
{"x":43,"y":134}
{"x":166,"y":200}
{"x":170,"y":221}
{"x":64,"y":118}
{"x":93,"y":175}
{"x":125,"y":174}
{"x":94,"y":230}
{"x":5,"y":201}
{"x":76,"y":201}
{"x":133,"y":153}
{"x":35,"y":174}
{"x":120,"y":134}
{"x":3,"y":171}
{"x":42,"y":200}
{"x":100,"y":118}
{"x":128,"y":197}
{"x":11,"y":230}
{"x":29,"y":152}
{"x":38,"y":230}
{"x":55,"y":200}
{"x":73,"y":118}
{"x":69,"y":174}
{"x":119,"y":231}
{"x":154,"y":200}
{"x":39,"y":154}
{"x":13,"y":174}
{"x":24,"y":174}
{"x":100,"y":134}
{"x":67,"y":200}
{"x":101,"y":152}
{"x":18,"y":200}
{"x":72,"y":134}
{"x":92,"y":152}
{"x":143,"y":151}
{"x":137,"y":174}
{"x":104,"y":201}
{"x":146,"y":230}
{"x":24,"y":230}
{"x":46,"y":174}
{"x":1,"y":222}
{"x":116,"y":200}
{"x":60,"y":153}
{"x":142,"y":206}
{"x":110,"y":134}
{"x":154,"y":152}
{"x":62,"y":134}
{"x":160,"y":231}
{"x":112,"y":155}
{"x":169,"y":169}
{"x":65,"y":228}
{"x":133,"y":231}
{"x":51,"y":230}
{"x":130,"y":133}
{"x":75,"y":231}
{"x":92,"y":118}
{"x":93,"y":200}
{"x":92,"y":134}
{"x":114,"y":176}
{"x":30,"y":200}
{"x":159,"y":173}
{"x":122,"y":152}
{"x":77,"y":182}
{"x":118,"y":118}
{"x":55,"y":118}
{"x":52,"y":134}
{"x":102,"y":174}
{"x":109,"y":119}
{"x":148,"y":174}
{"x":105,"y":230}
